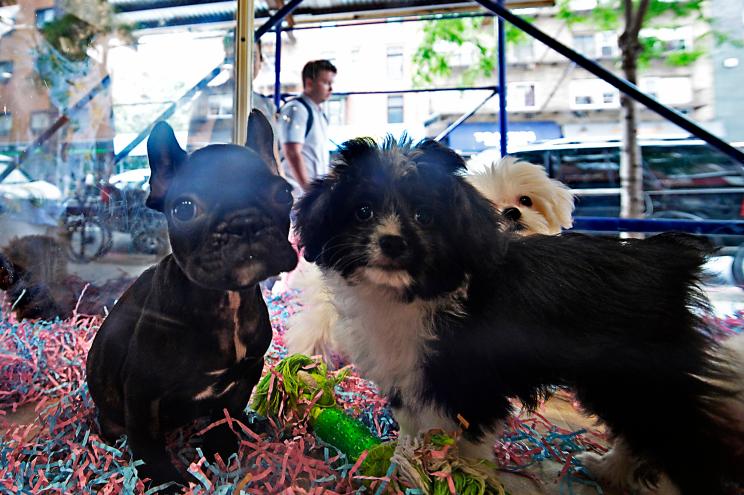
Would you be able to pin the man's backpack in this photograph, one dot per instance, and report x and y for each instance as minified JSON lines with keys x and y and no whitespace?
{"x":305,"y":104}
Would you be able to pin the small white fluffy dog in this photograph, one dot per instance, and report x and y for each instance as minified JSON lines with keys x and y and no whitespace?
{"x":530,"y":201}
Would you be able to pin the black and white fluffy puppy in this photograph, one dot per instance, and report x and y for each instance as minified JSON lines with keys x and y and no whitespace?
{"x":529,"y":201}
{"x":451,"y":317}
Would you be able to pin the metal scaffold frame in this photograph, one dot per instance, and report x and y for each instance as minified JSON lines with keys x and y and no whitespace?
{"x":244,"y":50}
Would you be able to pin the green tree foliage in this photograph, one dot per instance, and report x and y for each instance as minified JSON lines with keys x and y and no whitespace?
{"x":608,"y":16}
{"x":443,"y":38}
{"x":83,"y":22}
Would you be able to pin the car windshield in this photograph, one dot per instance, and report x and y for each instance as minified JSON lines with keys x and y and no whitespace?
{"x":666,"y":166}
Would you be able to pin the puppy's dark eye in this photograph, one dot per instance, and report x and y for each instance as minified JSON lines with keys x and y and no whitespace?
{"x":364,"y":213}
{"x":184,"y":210}
{"x":525,"y":200}
{"x":283,"y":196}
{"x":423,"y":217}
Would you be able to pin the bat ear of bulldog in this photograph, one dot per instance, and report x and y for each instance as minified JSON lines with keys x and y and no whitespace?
{"x":261,"y":139}
{"x":165,"y":156}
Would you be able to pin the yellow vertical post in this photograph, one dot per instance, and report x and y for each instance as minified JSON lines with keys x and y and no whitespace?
{"x":243,"y":69}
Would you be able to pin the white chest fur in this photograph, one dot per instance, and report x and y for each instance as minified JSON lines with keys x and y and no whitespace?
{"x":386,"y":339}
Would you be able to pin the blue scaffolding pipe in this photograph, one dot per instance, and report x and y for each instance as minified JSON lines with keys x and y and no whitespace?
{"x":464,"y":117}
{"x":394,"y":20}
{"x":503,"y":130}
{"x":278,"y":68}
{"x":605,"y":224}
{"x":428,"y":90}
{"x":618,"y":82}
{"x":277,"y":18}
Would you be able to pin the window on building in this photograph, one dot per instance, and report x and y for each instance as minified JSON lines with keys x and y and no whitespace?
{"x":521,"y":96}
{"x":649,"y":85}
{"x":336,"y":111}
{"x":395,"y":109}
{"x":6,"y":71}
{"x":582,"y":5}
{"x":592,"y":94}
{"x":584,"y":44}
{"x":671,"y":39}
{"x":395,"y":62}
{"x":40,"y":121}
{"x":44,"y":16}
{"x":522,"y":52}
{"x":461,"y":56}
{"x":6,"y":123}
{"x":607,"y":44}
{"x":668,"y":90}
{"x":673,"y":45}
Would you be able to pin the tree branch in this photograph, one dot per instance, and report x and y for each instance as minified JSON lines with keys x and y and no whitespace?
{"x":637,"y":22}
{"x":628,"y":12}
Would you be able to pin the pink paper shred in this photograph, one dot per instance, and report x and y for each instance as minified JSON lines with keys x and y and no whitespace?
{"x":42,"y":365}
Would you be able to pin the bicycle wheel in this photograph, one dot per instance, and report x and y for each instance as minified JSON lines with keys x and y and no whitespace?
{"x":88,"y":239}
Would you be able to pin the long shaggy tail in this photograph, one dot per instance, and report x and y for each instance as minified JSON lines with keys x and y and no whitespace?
{"x":309,"y":331}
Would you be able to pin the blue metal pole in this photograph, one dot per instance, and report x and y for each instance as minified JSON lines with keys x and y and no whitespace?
{"x":424,"y":90}
{"x":503,"y":127}
{"x":277,"y":18}
{"x":607,"y":224}
{"x":278,"y":67}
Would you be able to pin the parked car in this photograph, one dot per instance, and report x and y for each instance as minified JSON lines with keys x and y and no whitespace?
{"x":27,"y":200}
{"x":19,"y":185}
{"x":131,"y":179}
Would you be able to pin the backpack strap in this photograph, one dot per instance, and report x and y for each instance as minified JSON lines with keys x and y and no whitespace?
{"x":309,"y":114}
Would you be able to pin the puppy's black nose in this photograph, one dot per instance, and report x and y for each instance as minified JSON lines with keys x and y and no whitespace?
{"x":393,"y":246}
{"x":512,"y":214}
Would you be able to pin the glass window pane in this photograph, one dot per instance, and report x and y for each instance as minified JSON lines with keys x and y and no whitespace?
{"x":6,"y":71}
{"x":395,"y":109}
{"x":395,"y":62}
{"x":6,"y":123}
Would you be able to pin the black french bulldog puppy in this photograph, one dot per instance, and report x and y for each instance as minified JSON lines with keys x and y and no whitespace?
{"x":187,"y":339}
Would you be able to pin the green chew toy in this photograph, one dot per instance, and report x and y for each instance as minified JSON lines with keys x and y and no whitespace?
{"x":306,"y":381}
{"x":345,"y":433}
{"x":303,"y":385}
